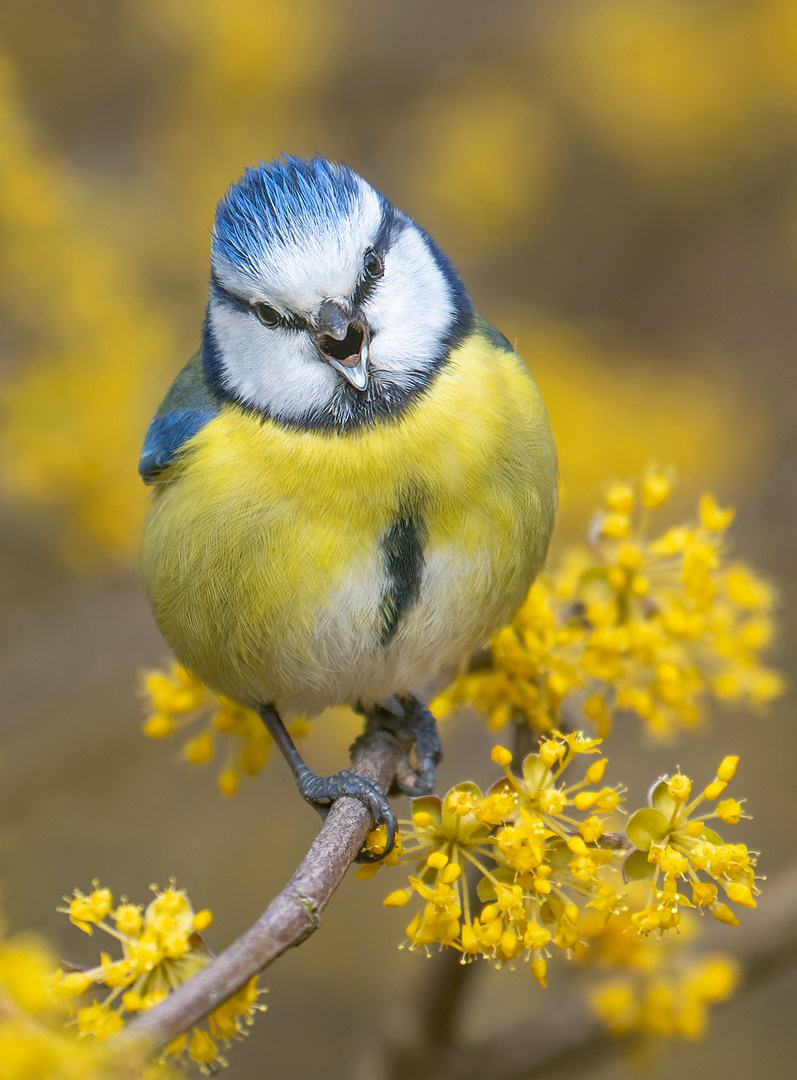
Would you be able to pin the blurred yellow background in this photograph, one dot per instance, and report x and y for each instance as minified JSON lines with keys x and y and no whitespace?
{"x":615,"y":180}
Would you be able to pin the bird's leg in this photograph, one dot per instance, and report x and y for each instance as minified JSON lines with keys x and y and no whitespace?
{"x":414,"y":725}
{"x":322,"y":791}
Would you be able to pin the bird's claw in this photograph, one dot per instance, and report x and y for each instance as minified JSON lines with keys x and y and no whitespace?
{"x":428,"y":753}
{"x":415,"y":727}
{"x":322,"y":791}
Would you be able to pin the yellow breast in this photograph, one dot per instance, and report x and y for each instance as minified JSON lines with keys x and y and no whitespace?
{"x":264,"y":551}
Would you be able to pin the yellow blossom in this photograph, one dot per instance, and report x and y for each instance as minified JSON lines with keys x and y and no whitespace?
{"x":534,"y":859}
{"x":666,"y":996}
{"x":727,"y":769}
{"x":729,"y":811}
{"x":615,"y":526}
{"x":35,"y":1041}
{"x":712,"y":516}
{"x":616,"y":1006}
{"x":501,"y":756}
{"x":160,"y":949}
{"x":679,"y":787}
{"x":673,"y":843}
{"x":220,"y":729}
{"x":620,"y":498}
{"x":640,"y":622}
{"x":655,"y":488}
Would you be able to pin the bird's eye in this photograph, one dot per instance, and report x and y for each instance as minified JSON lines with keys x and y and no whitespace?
{"x":373,"y":265}
{"x":267,"y":314}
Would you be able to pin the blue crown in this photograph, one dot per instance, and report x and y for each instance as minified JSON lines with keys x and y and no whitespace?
{"x":275,"y":201}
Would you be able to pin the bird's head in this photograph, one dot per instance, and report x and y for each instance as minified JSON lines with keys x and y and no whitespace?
{"x":328,"y":307}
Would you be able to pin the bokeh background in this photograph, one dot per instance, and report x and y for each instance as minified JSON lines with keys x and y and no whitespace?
{"x":617,"y":182}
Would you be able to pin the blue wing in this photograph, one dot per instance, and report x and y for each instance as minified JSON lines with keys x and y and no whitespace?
{"x":495,"y":337}
{"x":188,"y":406}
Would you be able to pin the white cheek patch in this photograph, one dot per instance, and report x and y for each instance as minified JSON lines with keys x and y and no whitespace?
{"x":411,"y":310}
{"x":323,"y":262}
{"x":277,"y":371}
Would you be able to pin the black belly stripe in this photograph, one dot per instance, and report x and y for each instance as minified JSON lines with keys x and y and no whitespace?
{"x":402,"y":555}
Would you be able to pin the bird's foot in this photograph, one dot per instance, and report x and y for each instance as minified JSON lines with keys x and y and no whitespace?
{"x":322,"y":791}
{"x":415,"y":727}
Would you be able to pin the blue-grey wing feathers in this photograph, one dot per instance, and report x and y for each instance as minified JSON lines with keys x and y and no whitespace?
{"x":188,"y":406}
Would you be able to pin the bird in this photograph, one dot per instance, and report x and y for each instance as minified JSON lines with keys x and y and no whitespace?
{"x":354,"y":479}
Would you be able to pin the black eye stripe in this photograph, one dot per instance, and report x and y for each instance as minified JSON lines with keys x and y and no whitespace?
{"x":287,"y":321}
{"x":272,"y":318}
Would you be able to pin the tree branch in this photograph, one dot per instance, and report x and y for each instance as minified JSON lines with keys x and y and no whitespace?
{"x":291,"y":917}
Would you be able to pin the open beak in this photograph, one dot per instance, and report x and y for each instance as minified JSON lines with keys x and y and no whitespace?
{"x":342,"y":339}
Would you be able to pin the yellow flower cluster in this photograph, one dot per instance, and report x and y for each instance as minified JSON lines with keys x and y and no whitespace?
{"x":177,"y":700}
{"x":530,"y":867}
{"x":162,"y":948}
{"x":659,"y":988}
{"x":674,"y":846}
{"x":536,"y":844}
{"x":653,"y":624}
{"x":33,"y":1040}
{"x":667,"y":1001}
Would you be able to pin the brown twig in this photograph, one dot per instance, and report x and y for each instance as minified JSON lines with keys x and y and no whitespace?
{"x":290,"y":918}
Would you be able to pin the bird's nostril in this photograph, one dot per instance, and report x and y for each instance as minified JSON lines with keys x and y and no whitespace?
{"x":342,"y":349}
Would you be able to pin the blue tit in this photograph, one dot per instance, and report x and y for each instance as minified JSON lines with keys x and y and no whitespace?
{"x":354,"y":478}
